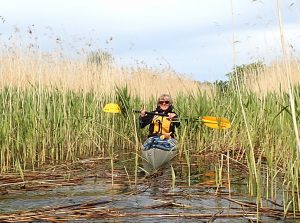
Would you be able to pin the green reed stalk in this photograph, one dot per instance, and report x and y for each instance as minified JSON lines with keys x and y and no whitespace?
{"x":251,"y":156}
{"x":228,"y":175}
{"x":219,"y":173}
{"x":187,"y":154}
{"x":137,"y":145}
{"x":294,"y":176}
{"x":173,"y":177}
{"x":111,"y":150}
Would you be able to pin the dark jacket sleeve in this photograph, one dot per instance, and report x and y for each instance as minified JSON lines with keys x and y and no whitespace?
{"x":146,"y":120}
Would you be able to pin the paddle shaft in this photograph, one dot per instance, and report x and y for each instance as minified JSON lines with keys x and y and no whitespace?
{"x":209,"y":121}
{"x":212,"y":122}
{"x":152,"y":113}
{"x":165,"y":115}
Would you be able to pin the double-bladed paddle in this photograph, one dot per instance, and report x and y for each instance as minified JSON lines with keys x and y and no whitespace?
{"x":209,"y":121}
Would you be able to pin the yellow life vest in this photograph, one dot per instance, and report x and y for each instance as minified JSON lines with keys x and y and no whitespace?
{"x":161,"y":124}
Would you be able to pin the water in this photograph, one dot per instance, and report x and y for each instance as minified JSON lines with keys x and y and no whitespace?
{"x":153,"y":199}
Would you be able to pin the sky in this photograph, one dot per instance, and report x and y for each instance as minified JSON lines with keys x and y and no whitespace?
{"x":197,"y":38}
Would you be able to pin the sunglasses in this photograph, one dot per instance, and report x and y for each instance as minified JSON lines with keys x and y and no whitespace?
{"x":164,"y":102}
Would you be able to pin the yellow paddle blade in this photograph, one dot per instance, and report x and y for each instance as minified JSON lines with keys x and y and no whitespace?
{"x":112,"y":108}
{"x":215,"y":122}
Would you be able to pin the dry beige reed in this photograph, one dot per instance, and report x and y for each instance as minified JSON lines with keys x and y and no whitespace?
{"x":24,"y":71}
{"x":273,"y":78}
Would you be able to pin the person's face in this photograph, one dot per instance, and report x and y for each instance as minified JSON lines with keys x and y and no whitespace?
{"x":164,"y":103}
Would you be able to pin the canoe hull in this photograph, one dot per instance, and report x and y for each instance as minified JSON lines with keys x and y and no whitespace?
{"x":157,"y":157}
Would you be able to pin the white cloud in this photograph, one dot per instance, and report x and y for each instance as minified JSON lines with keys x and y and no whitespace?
{"x":193,"y":36}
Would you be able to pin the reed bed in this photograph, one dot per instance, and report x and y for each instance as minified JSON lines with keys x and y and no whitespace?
{"x":168,"y":205}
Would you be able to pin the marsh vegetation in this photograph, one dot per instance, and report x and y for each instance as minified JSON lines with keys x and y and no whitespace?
{"x":51,"y":114}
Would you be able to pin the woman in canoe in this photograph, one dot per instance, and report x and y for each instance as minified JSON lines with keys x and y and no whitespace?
{"x":161,"y":126}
